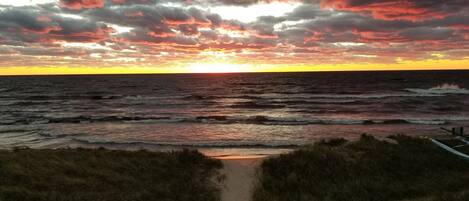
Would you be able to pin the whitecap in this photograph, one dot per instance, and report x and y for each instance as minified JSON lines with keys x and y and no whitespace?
{"x":444,"y":88}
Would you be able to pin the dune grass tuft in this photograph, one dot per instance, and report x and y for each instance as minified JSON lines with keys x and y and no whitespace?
{"x":411,"y":169}
{"x":105,"y":175}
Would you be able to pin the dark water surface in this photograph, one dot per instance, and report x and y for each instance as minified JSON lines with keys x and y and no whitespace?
{"x":226,"y":110}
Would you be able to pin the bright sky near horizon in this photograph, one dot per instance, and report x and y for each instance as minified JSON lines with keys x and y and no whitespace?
{"x":174,"y":36}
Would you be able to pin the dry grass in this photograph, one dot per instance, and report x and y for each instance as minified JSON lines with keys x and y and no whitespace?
{"x":412,"y":169}
{"x":105,"y":175}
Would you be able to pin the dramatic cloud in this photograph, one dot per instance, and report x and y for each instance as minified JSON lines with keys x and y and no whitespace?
{"x":79,"y":4}
{"x":26,"y":24}
{"x":260,"y":32}
{"x":416,"y":10}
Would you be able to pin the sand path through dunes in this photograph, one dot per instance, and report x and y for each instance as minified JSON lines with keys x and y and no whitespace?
{"x":240,"y":177}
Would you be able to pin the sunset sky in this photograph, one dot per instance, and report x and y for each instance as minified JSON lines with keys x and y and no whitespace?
{"x":164,"y":36}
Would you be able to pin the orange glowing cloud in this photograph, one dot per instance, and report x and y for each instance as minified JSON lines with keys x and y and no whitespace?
{"x":79,"y":4}
{"x":288,"y":36}
{"x":413,"y":10}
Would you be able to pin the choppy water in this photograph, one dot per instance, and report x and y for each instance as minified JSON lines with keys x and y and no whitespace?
{"x":226,"y":110}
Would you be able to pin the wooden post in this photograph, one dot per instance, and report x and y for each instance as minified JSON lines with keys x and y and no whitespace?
{"x":446,"y":130}
{"x":459,"y":131}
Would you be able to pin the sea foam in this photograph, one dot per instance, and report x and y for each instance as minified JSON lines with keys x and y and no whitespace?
{"x":444,"y":88}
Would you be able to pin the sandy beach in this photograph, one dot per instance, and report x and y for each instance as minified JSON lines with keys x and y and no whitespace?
{"x":240,"y":174}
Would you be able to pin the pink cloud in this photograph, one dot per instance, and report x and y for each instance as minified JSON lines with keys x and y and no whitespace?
{"x":79,"y":4}
{"x":413,"y":10}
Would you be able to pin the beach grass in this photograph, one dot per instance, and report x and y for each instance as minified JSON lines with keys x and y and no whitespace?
{"x":399,"y":169}
{"x":105,"y":175}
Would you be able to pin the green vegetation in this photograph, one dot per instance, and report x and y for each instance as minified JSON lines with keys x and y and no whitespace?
{"x":408,"y":169}
{"x":105,"y":175}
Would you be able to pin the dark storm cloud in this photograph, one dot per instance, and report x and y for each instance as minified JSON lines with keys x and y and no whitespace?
{"x":39,"y":51}
{"x":141,"y":36}
{"x":80,"y":30}
{"x":155,"y":17}
{"x":426,"y":33}
{"x":308,"y":11}
{"x":354,"y":22}
{"x":31,"y":24}
{"x":6,"y":50}
{"x":25,"y":19}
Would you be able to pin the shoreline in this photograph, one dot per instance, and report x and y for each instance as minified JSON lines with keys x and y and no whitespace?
{"x":217,"y":152}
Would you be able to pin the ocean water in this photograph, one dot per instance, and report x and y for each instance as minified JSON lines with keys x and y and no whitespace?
{"x":268,"y":110}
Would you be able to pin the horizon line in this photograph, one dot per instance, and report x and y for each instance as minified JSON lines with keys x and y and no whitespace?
{"x":221,"y":73}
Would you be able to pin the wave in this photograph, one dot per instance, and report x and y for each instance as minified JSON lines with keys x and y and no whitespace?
{"x":352,"y":121}
{"x":292,"y":84}
{"x":221,"y":119}
{"x":255,"y":105}
{"x":13,"y":131}
{"x":5,"y":89}
{"x":314,"y":98}
{"x":212,"y":97}
{"x":196,"y":144}
{"x":318,"y":101}
{"x":269,"y":100}
{"x":441,"y":89}
{"x":347,"y":96}
{"x":408,"y":121}
{"x":92,"y":97}
{"x":88,"y":119}
{"x":29,"y":103}
{"x":85,"y":119}
{"x":198,"y":97}
{"x":60,"y":135}
{"x":266,"y":120}
{"x":69,"y":97}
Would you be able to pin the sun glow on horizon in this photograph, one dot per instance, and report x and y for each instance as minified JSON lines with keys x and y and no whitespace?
{"x":218,"y":68}
{"x":222,"y":67}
